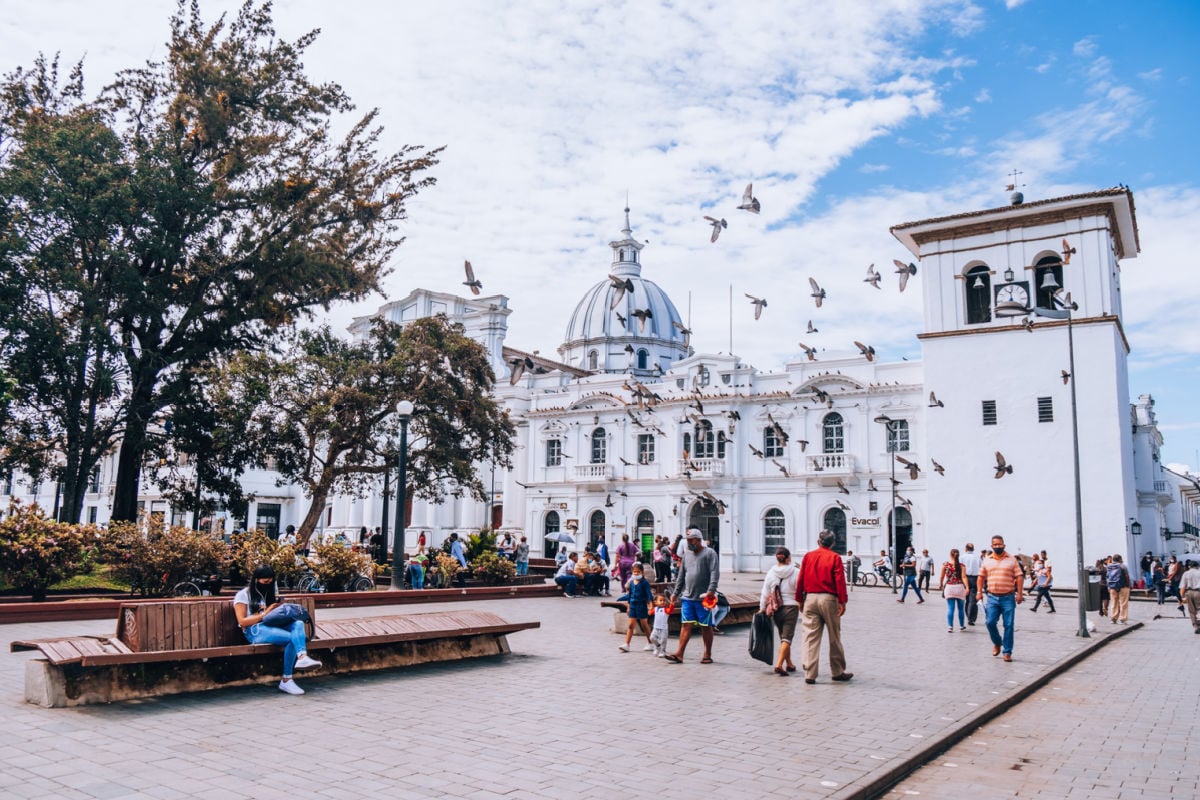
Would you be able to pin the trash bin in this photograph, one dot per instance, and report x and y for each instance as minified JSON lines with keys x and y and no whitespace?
{"x":1095,"y":586}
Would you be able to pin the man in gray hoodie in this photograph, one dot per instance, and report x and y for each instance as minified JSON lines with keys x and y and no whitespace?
{"x":699,"y":572}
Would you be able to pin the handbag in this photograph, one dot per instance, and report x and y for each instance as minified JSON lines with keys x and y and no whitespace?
{"x":774,"y":601}
{"x":762,"y":638}
{"x":284,"y":615}
{"x":955,"y":591}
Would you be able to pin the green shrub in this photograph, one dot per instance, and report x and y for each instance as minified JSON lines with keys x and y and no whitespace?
{"x":256,"y":548}
{"x":493,"y":570}
{"x":36,"y":552}
{"x":480,"y":543}
{"x":336,"y":565}
{"x":152,"y":557}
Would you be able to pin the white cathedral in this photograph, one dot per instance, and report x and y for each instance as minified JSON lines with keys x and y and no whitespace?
{"x":629,"y":431}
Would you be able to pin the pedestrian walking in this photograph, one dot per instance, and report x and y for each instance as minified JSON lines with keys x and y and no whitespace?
{"x":1158,"y":579}
{"x":627,"y":553}
{"x":971,"y":563}
{"x":1043,"y":580}
{"x":821,"y":593}
{"x":779,"y":587}
{"x":1119,"y":582}
{"x":925,"y":569}
{"x":1175,"y":571}
{"x":1000,"y":583}
{"x":952,"y":583}
{"x":638,"y":597}
{"x":1147,"y":566}
{"x":662,"y":622}
{"x":1190,"y":585}
{"x":908,"y":568}
{"x":699,"y":574}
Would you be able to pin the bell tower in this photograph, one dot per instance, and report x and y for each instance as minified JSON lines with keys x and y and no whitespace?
{"x":999,"y":365}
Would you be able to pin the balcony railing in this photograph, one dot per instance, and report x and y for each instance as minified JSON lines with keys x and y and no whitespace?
{"x":702,"y":467}
{"x":831,"y":462}
{"x":1160,"y":487}
{"x":593,"y":472}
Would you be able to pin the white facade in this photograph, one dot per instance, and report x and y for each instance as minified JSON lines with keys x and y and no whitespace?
{"x":631,"y":432}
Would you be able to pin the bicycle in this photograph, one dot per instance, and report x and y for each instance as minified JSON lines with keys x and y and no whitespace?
{"x":310,"y":583}
{"x":198,"y":586}
{"x":871,"y":577}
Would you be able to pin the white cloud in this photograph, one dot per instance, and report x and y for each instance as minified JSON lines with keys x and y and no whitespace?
{"x":1151,"y":76}
{"x":868,"y":169}
{"x":983,"y":96}
{"x":1085,"y":47}
{"x":1011,"y":4}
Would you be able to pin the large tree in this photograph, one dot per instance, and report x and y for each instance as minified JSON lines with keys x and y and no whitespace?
{"x":240,"y":212}
{"x":323,"y":411}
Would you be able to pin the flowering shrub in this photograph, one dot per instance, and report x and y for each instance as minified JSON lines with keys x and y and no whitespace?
{"x":336,"y":565}
{"x":153,"y":557}
{"x":446,"y":566}
{"x":256,"y":548}
{"x":493,"y":570}
{"x":36,"y":552}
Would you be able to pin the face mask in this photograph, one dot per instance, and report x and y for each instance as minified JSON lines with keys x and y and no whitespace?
{"x":636,"y":577}
{"x":998,"y":551}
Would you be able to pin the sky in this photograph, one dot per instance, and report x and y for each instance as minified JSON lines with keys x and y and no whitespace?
{"x":849,"y":118}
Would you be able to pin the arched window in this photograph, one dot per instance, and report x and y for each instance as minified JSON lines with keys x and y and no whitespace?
{"x":599,"y":446}
{"x":834,"y":435}
{"x":897,"y":436}
{"x":702,"y":377}
{"x":978,"y":288}
{"x":593,"y":360}
{"x":622,"y":256}
{"x":551,"y":525}
{"x":774,"y":531}
{"x":687,"y":445}
{"x":643,"y":359}
{"x":721,"y":439}
{"x":595,"y":527}
{"x":1050,"y":265}
{"x":835,"y":522}
{"x":645,"y":522}
{"x":705,"y":443}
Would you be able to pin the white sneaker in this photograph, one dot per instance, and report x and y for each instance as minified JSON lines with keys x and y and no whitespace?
{"x":647,"y":648}
{"x":304,"y":662}
{"x":290,"y":687}
{"x":623,"y":648}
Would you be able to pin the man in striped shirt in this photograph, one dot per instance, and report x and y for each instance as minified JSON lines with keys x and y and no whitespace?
{"x":1000,"y":583}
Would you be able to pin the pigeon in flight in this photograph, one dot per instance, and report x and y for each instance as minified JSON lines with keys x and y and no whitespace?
{"x":758,"y":303}
{"x":628,"y":356}
{"x":842,"y":487}
{"x":914,"y":469}
{"x":934,"y":402}
{"x":470,"y":281}
{"x":642,"y":314}
{"x":756,"y":451}
{"x":1002,"y":467}
{"x":842,"y":505}
{"x":620,"y":319}
{"x":818,"y":294}
{"x":904,"y":271}
{"x":1027,"y":324}
{"x":938,"y":468}
{"x":717,"y":225}
{"x":873,"y":277}
{"x":803,"y":444}
{"x":608,"y":501}
{"x":518,"y":366}
{"x":1067,"y":252}
{"x":811,"y":329}
{"x":749,"y":201}
{"x":811,"y":352}
{"x":780,"y":433}
{"x":866,"y":350}
{"x":620,"y":287}
{"x":782,"y":468}
{"x":1066,"y":376}
{"x":682,"y":329}
{"x":871,"y":485}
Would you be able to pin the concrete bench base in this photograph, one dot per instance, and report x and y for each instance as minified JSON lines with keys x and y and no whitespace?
{"x":62,"y":685}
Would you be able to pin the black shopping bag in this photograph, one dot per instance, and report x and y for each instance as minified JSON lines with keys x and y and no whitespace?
{"x":762,"y":638}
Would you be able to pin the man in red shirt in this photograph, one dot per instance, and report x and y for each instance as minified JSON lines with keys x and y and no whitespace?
{"x":821,"y":591}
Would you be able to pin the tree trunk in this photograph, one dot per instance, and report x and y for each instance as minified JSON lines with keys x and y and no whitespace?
{"x":315,"y":510}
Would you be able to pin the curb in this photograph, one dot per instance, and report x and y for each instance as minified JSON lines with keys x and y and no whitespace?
{"x":887,"y":780}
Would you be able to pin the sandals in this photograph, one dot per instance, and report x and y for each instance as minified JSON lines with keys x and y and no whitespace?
{"x":706,"y":660}
{"x":671,"y":658}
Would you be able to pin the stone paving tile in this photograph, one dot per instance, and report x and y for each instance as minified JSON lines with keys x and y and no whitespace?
{"x":564,"y":715}
{"x":1120,"y":724}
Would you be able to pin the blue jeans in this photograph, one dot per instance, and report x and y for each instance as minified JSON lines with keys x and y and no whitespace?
{"x":997,"y":607}
{"x":293,"y":640}
{"x":569,"y":584}
{"x":910,"y":580}
{"x":522,"y":567}
{"x":416,"y":576}
{"x":953,"y":603}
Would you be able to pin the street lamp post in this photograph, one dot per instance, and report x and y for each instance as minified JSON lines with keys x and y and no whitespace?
{"x":404,"y":410}
{"x":891,"y":425}
{"x":381,"y":545}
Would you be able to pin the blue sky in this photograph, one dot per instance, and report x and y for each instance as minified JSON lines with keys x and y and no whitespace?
{"x":849,"y":118}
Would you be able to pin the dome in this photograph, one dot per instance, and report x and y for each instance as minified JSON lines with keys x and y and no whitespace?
{"x":648,"y":340}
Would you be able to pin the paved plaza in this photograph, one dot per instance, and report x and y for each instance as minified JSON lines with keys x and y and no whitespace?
{"x":567,"y":715}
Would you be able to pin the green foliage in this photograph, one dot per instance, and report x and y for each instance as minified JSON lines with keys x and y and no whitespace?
{"x":480,"y":543}
{"x":152,"y":557}
{"x":256,"y":548}
{"x":492,"y":569}
{"x":323,"y":409}
{"x":445,"y":565}
{"x":335,"y":565}
{"x":198,"y":206}
{"x":36,"y":552}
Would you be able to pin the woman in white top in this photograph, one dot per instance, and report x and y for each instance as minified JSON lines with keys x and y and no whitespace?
{"x":783,"y":575}
{"x":253,"y":603}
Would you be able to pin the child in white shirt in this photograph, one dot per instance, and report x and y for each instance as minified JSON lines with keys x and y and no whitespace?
{"x":659,"y":636}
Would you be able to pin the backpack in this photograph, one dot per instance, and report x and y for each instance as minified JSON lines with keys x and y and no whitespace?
{"x":1116,"y":577}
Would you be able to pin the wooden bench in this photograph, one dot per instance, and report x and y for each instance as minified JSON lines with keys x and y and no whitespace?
{"x":195,"y":645}
{"x":741,"y":609}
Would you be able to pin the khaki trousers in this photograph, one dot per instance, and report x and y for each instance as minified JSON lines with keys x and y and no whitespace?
{"x":1192,"y":600}
{"x":1118,"y":604}
{"x":820,"y":613}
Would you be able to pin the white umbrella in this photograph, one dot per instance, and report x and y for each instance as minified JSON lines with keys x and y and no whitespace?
{"x":560,"y":536}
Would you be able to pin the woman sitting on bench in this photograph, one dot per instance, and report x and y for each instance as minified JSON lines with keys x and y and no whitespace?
{"x":253,"y":603}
